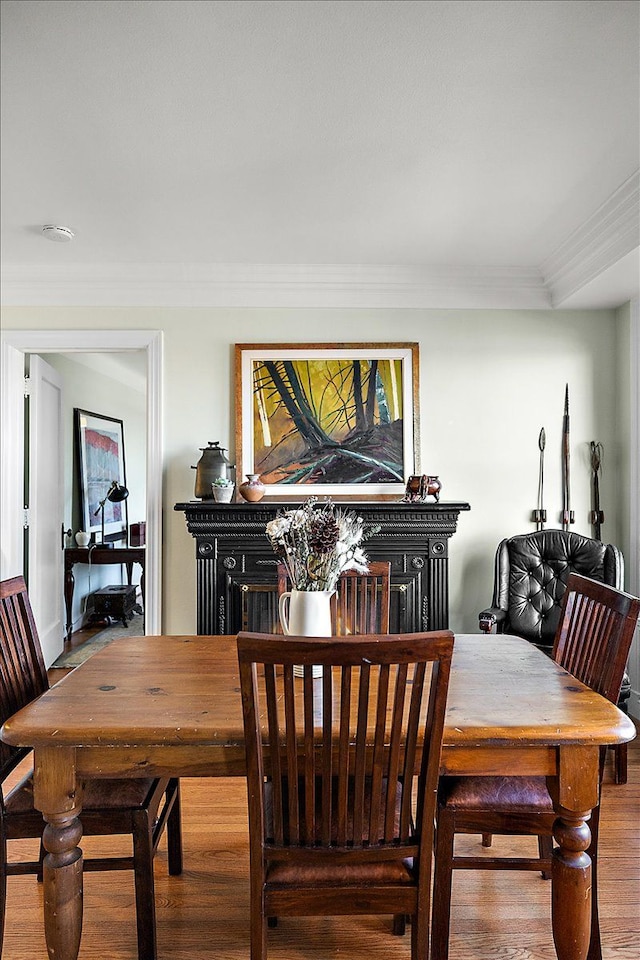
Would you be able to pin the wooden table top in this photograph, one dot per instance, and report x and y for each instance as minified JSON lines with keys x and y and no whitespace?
{"x":184,"y":690}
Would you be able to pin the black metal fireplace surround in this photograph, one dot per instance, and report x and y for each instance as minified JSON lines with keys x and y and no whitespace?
{"x":236,"y":569}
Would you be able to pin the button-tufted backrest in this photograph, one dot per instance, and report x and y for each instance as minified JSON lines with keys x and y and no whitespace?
{"x":531,"y":577}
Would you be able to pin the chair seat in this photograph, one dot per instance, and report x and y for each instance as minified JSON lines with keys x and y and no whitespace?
{"x":290,"y":873}
{"x":98,"y":795}
{"x":498,"y":794}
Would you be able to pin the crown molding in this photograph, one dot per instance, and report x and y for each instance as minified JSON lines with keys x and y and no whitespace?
{"x":273,"y":285}
{"x":611,"y":233}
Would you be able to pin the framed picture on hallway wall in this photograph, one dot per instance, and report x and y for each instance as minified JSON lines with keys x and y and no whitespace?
{"x":100,"y":456}
{"x":328,"y":419}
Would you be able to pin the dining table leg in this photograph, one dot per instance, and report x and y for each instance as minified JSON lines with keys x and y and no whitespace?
{"x":59,"y":798}
{"x":575,"y":794}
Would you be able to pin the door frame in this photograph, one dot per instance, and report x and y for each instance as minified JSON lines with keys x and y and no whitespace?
{"x":15,"y":342}
{"x":633,"y":568}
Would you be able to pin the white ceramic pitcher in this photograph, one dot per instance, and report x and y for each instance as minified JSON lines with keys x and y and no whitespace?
{"x":306,"y":613}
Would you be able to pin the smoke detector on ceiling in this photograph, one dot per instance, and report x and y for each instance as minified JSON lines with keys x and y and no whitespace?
{"x":59,"y":234}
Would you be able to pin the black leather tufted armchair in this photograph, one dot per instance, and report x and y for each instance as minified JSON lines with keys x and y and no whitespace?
{"x":530,"y":579}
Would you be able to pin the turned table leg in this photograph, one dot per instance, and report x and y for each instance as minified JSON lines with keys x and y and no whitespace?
{"x":575,"y":794}
{"x":55,"y":794}
{"x":571,"y":894}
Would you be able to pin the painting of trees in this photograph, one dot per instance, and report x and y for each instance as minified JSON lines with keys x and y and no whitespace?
{"x":328,"y":420}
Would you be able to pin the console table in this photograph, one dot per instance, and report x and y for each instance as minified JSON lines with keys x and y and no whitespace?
{"x":236,"y":585}
{"x":95,"y":555}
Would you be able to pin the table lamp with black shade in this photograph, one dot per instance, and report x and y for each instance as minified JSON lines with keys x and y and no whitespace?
{"x":116,"y":493}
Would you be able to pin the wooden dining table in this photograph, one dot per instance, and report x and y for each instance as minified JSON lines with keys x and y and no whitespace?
{"x":171,"y":705}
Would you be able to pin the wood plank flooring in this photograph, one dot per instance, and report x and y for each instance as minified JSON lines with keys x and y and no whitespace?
{"x":202,"y":915}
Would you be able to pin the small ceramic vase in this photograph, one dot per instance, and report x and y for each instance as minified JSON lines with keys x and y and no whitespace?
{"x":252,"y":489}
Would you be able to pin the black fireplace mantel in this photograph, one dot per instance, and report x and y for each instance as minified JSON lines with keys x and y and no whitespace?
{"x":236,"y":568}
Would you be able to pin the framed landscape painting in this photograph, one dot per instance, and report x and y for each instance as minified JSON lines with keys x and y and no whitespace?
{"x":328,"y":419}
{"x":100,"y":453}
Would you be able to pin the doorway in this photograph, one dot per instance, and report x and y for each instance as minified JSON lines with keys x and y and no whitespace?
{"x":14,"y":344}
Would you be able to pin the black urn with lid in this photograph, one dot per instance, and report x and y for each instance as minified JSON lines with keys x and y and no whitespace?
{"x":211,"y":465}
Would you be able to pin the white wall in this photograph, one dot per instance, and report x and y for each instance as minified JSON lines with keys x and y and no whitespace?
{"x":489,"y":381}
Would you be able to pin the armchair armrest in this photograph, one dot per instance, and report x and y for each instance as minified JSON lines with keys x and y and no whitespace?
{"x":490,"y":618}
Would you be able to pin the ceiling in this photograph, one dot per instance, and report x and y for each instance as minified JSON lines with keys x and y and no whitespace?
{"x":128,"y":367}
{"x":443,"y":153}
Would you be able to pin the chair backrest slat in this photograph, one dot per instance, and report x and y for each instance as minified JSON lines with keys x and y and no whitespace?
{"x":360,"y":750}
{"x":395,"y":748}
{"x":291,"y":735}
{"x":597,"y":623}
{"x":23,"y":676}
{"x":309,"y":756}
{"x":327,"y":757}
{"x":330,"y":758}
{"x":272,"y":720}
{"x":343,"y":757}
{"x":411,"y":745}
{"x":378,"y":774}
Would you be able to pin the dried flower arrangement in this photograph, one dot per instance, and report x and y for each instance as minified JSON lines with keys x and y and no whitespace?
{"x":317,"y":543}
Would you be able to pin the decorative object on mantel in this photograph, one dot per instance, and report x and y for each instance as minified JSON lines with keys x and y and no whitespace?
{"x":316,"y":544}
{"x":421,"y":487}
{"x":328,"y":419}
{"x":211,"y":465}
{"x":597,"y":516}
{"x":82,"y":538}
{"x":568,"y":516}
{"x":539,"y":516}
{"x":222,"y":490}
{"x":253,"y":489}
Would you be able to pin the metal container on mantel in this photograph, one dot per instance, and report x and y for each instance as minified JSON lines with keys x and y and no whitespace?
{"x":211,"y":465}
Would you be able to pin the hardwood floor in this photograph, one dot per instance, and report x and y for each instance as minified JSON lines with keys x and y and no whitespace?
{"x":203,"y":915}
{"x":79,"y":637}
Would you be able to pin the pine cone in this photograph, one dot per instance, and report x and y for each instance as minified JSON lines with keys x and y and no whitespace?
{"x":323,"y":534}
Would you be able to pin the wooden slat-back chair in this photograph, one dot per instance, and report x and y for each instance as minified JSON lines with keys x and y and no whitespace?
{"x":361,"y":602}
{"x":592,"y":642}
{"x":141,"y":808}
{"x":338,"y":823}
